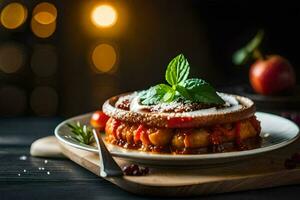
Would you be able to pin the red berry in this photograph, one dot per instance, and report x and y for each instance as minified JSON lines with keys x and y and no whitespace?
{"x":134,"y":167}
{"x":135,"y":170}
{"x":144,"y":170}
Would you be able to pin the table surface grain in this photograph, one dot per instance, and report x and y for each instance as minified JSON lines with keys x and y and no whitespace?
{"x":65,"y":179}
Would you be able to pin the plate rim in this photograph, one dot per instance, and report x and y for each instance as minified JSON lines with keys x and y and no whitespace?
{"x":153,"y":156}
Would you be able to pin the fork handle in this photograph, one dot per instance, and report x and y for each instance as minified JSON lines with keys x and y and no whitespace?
{"x":108,"y":166}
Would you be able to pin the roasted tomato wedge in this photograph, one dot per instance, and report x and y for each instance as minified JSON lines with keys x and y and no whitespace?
{"x":98,"y":120}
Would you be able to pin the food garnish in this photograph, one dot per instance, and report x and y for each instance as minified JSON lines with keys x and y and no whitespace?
{"x":179,"y":87}
{"x":82,"y":133}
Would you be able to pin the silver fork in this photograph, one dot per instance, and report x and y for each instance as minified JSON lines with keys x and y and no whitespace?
{"x":108,"y":166}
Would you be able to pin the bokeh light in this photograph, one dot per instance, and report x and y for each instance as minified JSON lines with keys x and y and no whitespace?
{"x":12,"y":57}
{"x":44,"y":60}
{"x":104,"y":57}
{"x":13,"y":101}
{"x":13,"y":15}
{"x":45,"y":13}
{"x":104,"y":16}
{"x":43,"y":22}
{"x":44,"y":101}
{"x":42,"y":30}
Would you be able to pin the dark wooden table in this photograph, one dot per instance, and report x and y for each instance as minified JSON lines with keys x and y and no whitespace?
{"x":68,"y":180}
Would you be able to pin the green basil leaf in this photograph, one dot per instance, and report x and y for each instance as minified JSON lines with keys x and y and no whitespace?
{"x":195,"y":90}
{"x":183,"y":92}
{"x":163,"y":88}
{"x":177,"y":70}
{"x":201,"y":91}
{"x":154,"y":94}
{"x":169,"y":96}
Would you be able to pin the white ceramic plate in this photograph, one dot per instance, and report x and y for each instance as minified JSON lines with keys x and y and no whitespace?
{"x":276,"y":132}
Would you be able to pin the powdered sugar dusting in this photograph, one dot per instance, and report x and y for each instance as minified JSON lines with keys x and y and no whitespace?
{"x":237,"y":108}
{"x":187,"y":109}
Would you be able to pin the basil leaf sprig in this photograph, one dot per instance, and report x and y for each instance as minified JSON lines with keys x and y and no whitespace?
{"x":197,"y":90}
{"x":178,"y":70}
{"x":194,"y":90}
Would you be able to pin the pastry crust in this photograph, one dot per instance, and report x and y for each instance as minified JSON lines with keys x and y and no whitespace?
{"x":243,"y":110}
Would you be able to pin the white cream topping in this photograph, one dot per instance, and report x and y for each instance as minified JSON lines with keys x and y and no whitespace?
{"x":135,"y":106}
{"x":231,"y":105}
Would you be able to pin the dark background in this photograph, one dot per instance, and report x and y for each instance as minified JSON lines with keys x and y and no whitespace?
{"x":146,"y":36}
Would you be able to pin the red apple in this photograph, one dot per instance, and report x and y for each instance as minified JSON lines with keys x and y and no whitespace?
{"x":98,"y":120}
{"x":272,"y":75}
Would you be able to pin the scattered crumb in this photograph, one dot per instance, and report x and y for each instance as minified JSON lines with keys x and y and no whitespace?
{"x":23,"y":157}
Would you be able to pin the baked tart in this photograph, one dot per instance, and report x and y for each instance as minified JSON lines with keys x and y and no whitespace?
{"x":185,"y":116}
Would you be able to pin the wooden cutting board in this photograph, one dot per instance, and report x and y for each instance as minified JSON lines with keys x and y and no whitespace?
{"x":264,"y":171}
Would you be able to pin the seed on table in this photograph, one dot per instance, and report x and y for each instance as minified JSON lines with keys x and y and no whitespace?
{"x":23,"y":157}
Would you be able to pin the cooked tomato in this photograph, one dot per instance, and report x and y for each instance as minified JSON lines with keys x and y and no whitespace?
{"x":98,"y":120}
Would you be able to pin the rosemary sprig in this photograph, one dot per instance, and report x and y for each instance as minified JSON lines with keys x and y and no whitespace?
{"x":82,"y":133}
